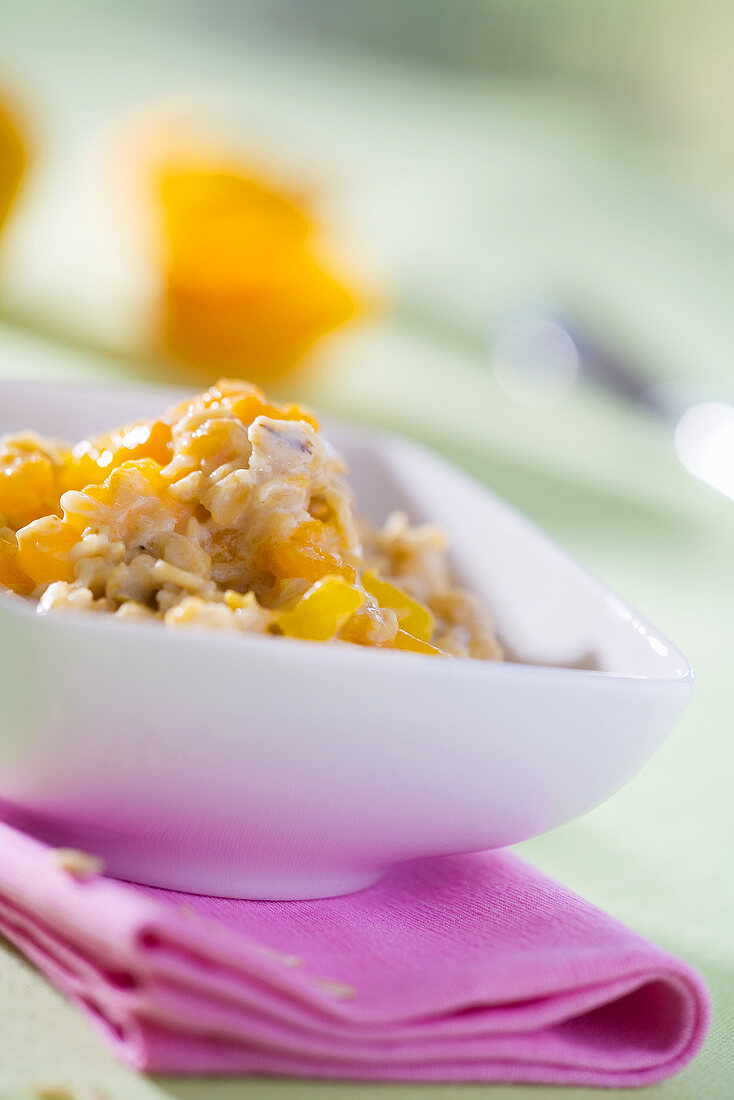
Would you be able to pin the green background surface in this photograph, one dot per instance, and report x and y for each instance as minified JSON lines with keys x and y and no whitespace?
{"x":527,"y":188}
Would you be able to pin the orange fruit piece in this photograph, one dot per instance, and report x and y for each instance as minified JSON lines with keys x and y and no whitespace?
{"x":303,"y":555}
{"x":12,"y":161}
{"x":253,"y":405}
{"x":414,"y":617}
{"x":92,"y":461}
{"x":403,"y":640}
{"x":43,"y":550}
{"x":29,"y":485}
{"x":242,"y":284}
{"x":321,"y":612}
{"x":11,"y":575}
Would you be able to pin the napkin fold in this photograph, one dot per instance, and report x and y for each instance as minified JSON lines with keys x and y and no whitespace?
{"x":464,"y":968}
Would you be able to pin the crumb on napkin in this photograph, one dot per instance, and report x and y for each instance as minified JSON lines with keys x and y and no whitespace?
{"x":339,"y":989}
{"x":282,"y":957}
{"x":80,"y":865}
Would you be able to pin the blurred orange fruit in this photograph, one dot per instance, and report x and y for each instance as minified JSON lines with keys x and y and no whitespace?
{"x":245,"y":290}
{"x":12,"y":160}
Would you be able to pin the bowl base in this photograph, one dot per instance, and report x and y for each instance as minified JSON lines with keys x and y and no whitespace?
{"x":171,"y":868}
{"x":268,"y":886}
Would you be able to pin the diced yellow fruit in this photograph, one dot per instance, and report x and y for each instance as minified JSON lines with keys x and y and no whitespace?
{"x":225,"y":390}
{"x":82,"y":468}
{"x":322,"y":611}
{"x":403,"y":640}
{"x":236,"y":601}
{"x":252,"y":405}
{"x":29,"y":486}
{"x":242,"y":284}
{"x":193,"y":189}
{"x":12,"y":161}
{"x":414,"y":617}
{"x":11,"y":575}
{"x":141,"y":475}
{"x":149,"y":439}
{"x":92,"y":462}
{"x":43,"y":550}
{"x":80,"y":510}
{"x":222,"y":439}
{"x":303,"y":555}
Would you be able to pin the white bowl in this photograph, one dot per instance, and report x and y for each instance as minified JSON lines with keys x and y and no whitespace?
{"x":263,"y":767}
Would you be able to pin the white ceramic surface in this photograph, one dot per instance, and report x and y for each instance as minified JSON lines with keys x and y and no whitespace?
{"x":274,"y":768}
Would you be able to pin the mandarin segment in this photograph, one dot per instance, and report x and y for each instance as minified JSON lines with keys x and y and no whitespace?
{"x":30,"y":484}
{"x":11,"y":574}
{"x":44,"y":549}
{"x":223,"y":439}
{"x":82,"y":468}
{"x":225,"y":389}
{"x":91,"y":462}
{"x":144,"y":440}
{"x":242,"y":282}
{"x":302,"y":555}
{"x":140,"y":477}
{"x":249,"y":407}
{"x":12,"y":159}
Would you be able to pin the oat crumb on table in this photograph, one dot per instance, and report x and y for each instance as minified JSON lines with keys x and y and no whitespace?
{"x":59,"y":1092}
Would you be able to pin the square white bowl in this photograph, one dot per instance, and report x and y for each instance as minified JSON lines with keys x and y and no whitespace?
{"x":255,"y":766}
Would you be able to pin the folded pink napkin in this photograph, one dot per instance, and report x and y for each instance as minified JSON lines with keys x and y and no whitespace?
{"x":468,"y":968}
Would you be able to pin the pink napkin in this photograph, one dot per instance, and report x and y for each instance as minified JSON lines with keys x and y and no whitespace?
{"x":467,"y":968}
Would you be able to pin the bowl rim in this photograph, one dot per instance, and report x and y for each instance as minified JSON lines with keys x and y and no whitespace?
{"x":339,"y":653}
{"x":344,"y":653}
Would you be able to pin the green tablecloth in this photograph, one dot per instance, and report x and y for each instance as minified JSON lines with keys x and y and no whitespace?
{"x":523,"y":193}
